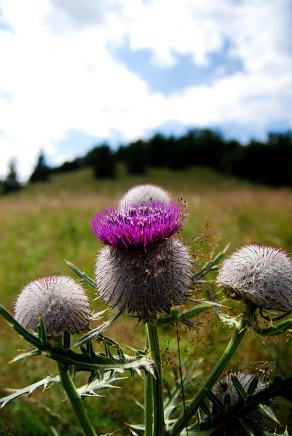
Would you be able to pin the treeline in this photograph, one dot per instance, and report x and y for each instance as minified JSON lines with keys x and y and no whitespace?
{"x":268,"y":162}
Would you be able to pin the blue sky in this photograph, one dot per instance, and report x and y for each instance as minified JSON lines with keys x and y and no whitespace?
{"x":184,"y":73}
{"x":75,"y":73}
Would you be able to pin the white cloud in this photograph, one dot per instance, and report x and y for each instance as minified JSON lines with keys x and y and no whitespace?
{"x":60,"y":74}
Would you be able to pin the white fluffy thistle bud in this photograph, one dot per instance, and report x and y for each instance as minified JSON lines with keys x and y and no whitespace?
{"x":144,"y":194}
{"x":59,"y":301}
{"x":144,"y":281}
{"x":260,"y":274}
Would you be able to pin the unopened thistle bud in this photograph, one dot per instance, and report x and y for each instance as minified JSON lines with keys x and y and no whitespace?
{"x":260,"y":274}
{"x":225,"y":387}
{"x":59,"y":301}
{"x":143,"y":270}
{"x":144,"y":194}
{"x":227,"y":394}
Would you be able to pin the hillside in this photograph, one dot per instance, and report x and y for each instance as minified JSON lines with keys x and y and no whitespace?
{"x":45,"y":223}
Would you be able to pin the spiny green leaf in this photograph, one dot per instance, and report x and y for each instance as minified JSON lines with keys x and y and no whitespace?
{"x":252,"y":385}
{"x":214,"y":400}
{"x":41,"y":330}
{"x":98,"y":315}
{"x":211,"y":265}
{"x":54,"y":431}
{"x":268,"y":412}
{"x":97,"y":331}
{"x":266,"y":433}
{"x":81,"y":274}
{"x":89,"y":390}
{"x":136,"y":429}
{"x":45,"y":383}
{"x":239,"y":388}
{"x":274,"y":330}
{"x":176,"y":315}
{"x":26,"y":355}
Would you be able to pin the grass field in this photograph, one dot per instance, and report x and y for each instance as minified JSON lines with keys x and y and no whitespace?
{"x":46,"y":223}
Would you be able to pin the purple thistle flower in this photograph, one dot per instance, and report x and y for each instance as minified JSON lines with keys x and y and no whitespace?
{"x":138,"y":226}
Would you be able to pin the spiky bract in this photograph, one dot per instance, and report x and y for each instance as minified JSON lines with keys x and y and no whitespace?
{"x":137,"y":226}
{"x":144,"y":194}
{"x":260,"y":274}
{"x":144,"y":281}
{"x":59,"y":301}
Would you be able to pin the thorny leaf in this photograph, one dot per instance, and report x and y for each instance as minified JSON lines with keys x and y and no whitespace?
{"x":106,"y":382}
{"x":26,"y":355}
{"x":210,"y":266}
{"x":81,"y":274}
{"x":97,"y":331}
{"x":45,"y":383}
{"x":239,"y":388}
{"x":268,"y":412}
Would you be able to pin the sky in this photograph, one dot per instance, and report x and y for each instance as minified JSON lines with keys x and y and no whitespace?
{"x":75,"y":73}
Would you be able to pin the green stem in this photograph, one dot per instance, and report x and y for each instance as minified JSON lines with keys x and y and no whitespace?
{"x":148,"y":397}
{"x":158,"y":411}
{"x":234,"y":342}
{"x":75,"y":400}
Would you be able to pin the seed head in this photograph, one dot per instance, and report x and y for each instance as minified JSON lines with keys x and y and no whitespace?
{"x":224,"y":388}
{"x":144,"y":281}
{"x":260,"y":274}
{"x":144,"y":194}
{"x":59,"y":301}
{"x":137,"y":226}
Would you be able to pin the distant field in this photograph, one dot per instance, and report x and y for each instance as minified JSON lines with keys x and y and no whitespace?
{"x":46,"y":223}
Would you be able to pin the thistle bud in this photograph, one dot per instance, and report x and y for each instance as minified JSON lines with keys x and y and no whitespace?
{"x":227,"y":394}
{"x":59,"y":301}
{"x":144,"y":194}
{"x":225,"y":387}
{"x":143,"y":270}
{"x":144,"y":282}
{"x":260,"y":274}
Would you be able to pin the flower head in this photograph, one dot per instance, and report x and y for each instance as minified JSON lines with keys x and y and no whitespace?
{"x":59,"y":301}
{"x":260,"y":274}
{"x":225,"y":388}
{"x":138,"y":226}
{"x":144,"y":194}
{"x":144,"y":281}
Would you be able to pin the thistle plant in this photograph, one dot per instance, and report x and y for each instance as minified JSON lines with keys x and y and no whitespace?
{"x":145,"y":271}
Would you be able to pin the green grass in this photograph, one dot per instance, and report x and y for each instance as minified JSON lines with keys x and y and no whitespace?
{"x":46,"y":223}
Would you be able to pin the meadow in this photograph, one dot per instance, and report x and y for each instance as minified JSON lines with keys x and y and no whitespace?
{"x":47,"y":223}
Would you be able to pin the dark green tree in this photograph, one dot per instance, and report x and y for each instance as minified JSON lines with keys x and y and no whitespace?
{"x":134,"y":158}
{"x":41,"y":172}
{"x":102,"y":160}
{"x":11,"y":183}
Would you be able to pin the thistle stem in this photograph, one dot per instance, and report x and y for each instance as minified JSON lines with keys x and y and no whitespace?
{"x":148,"y":398}
{"x":158,"y":411}
{"x":233,"y":344}
{"x":75,"y":400}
